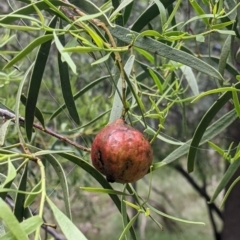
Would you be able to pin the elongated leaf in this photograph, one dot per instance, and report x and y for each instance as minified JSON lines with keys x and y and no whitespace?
{"x":63,"y":181}
{"x":66,"y":86}
{"x":148,"y":15}
{"x":29,"y":48}
{"x":190,"y":77}
{"x":224,"y":55}
{"x":12,"y":173}
{"x":11,"y":222}
{"x":129,"y":225}
{"x":3,"y":131}
{"x":68,"y":228}
{"x":103,"y":190}
{"x":31,"y":197}
{"x":20,"y":198}
{"x":202,"y":126}
{"x":225,"y":179}
{"x":29,"y":9}
{"x":210,"y":133}
{"x":35,"y":82}
{"x":117,"y":105}
{"x":29,"y":226}
{"x":171,"y":217}
{"x":38,"y":113}
{"x":164,"y":50}
{"x":79,"y":94}
{"x":99,"y":177}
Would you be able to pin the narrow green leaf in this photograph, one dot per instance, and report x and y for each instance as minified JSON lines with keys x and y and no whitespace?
{"x":63,"y":181}
{"x":162,"y":13}
{"x":66,"y":225}
{"x":38,"y":113}
{"x":225,"y":179}
{"x":117,"y":106}
{"x":129,"y":225}
{"x":173,"y":218}
{"x":3,"y":131}
{"x":122,"y":5}
{"x":102,"y":59}
{"x":31,"y":197}
{"x":79,"y":94}
{"x":198,"y":9}
{"x":156,"y":80}
{"x":224,"y":55}
{"x":164,"y":50}
{"x":103,"y":190}
{"x":13,"y":225}
{"x":216,"y":148}
{"x":28,"y":225}
{"x":149,"y":14}
{"x":20,"y":198}
{"x":28,"y":49}
{"x":65,"y":56}
{"x":236,"y":103}
{"x":210,"y":133}
{"x":66,"y":86}
{"x":190,"y":77}
{"x":12,"y":173}
{"x":202,"y":126}
{"x":99,"y":177}
{"x":35,"y":81}
{"x":229,"y":191}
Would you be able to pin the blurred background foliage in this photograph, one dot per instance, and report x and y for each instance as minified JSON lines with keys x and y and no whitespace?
{"x":164,"y":97}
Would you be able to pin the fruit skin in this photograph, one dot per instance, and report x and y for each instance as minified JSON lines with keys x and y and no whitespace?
{"x":121,"y":153}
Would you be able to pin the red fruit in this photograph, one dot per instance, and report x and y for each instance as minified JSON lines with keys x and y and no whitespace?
{"x":121,"y":153}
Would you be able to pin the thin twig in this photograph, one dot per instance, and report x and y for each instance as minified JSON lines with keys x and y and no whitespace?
{"x":9,"y":115}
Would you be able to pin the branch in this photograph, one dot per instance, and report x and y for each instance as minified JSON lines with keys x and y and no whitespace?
{"x":9,"y":115}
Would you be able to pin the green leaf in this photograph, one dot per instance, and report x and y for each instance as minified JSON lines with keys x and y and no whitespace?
{"x":202,"y":126}
{"x":164,"y":50}
{"x":79,"y":94}
{"x":198,"y":9}
{"x":32,"y":196}
{"x":117,"y":106}
{"x":63,"y":181}
{"x":103,"y":190}
{"x":38,"y":114}
{"x":190,"y":77}
{"x":29,"y":48}
{"x":225,"y":179}
{"x":122,"y":5}
{"x":66,"y":86}
{"x":66,"y":225}
{"x":210,"y":133}
{"x":129,"y":225}
{"x":173,"y":218}
{"x":236,"y":102}
{"x":163,"y":13}
{"x":156,"y":80}
{"x":35,"y":82}
{"x":13,"y":225}
{"x":149,"y":14}
{"x":224,"y":55}
{"x":99,"y":177}
{"x":3,"y":131}
{"x":11,"y":175}
{"x":65,"y":56}
{"x":28,"y":225}
{"x":20,"y":198}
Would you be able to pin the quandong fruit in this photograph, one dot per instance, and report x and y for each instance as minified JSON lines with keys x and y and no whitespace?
{"x":121,"y":153}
